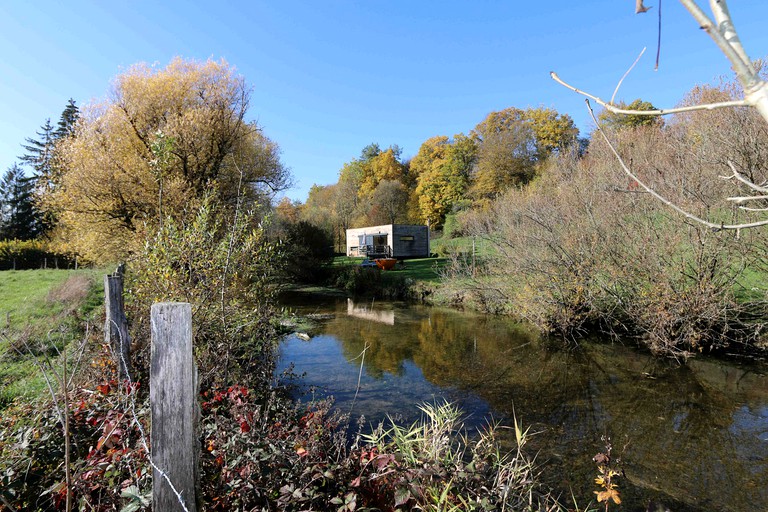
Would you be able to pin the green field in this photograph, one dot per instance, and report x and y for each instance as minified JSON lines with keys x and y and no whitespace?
{"x":37,"y":311}
{"x":422,"y":269}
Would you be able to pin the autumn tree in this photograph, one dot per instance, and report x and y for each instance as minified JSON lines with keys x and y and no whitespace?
{"x":389,"y":202}
{"x":385,"y":165}
{"x":443,"y":167}
{"x":319,"y":208}
{"x":163,"y":140}
{"x":553,"y":131}
{"x":512,"y":145}
{"x":621,"y":121}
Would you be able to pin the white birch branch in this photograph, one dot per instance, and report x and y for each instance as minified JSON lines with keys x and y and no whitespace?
{"x":657,"y":112}
{"x":661,"y":198}
{"x":736,"y":174}
{"x":744,"y":199}
{"x":725,"y":37}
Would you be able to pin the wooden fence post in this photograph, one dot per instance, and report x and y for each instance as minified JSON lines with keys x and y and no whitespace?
{"x":173,"y":397}
{"x":116,"y":325}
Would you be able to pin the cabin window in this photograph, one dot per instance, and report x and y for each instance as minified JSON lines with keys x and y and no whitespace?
{"x":407,"y":238}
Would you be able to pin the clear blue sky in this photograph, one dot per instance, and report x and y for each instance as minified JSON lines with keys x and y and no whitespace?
{"x":330,"y":77}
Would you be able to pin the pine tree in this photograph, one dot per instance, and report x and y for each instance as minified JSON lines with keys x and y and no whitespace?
{"x":18,"y":219}
{"x":39,"y":151}
{"x":41,"y":157}
{"x":66,"y":126}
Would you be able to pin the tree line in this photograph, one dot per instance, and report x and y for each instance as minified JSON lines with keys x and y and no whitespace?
{"x":447,"y":175}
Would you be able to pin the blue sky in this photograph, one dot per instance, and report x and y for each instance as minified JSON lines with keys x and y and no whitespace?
{"x":330,"y":77}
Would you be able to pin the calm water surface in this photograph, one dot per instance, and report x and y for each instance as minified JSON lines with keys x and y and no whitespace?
{"x":694,"y":437}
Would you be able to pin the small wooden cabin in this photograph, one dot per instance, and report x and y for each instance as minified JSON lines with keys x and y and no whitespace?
{"x":389,"y":241}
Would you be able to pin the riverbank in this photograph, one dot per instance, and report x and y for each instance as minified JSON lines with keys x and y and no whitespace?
{"x":259,"y":448}
{"x":722,"y":321}
{"x":676,"y":428}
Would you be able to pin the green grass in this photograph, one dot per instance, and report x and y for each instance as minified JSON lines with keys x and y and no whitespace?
{"x":36,"y":308}
{"x":421,"y":269}
{"x":462,"y":245}
{"x":425,"y":269}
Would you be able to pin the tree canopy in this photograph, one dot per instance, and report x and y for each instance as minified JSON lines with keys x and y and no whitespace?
{"x":164,"y":139}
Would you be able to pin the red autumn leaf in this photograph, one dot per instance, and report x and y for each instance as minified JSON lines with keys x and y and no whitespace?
{"x":245,"y":427}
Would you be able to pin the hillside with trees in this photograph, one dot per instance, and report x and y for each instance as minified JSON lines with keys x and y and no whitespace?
{"x":572,"y":243}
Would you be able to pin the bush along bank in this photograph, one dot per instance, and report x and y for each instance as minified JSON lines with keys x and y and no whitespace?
{"x":410,"y":280}
{"x":580,"y":251}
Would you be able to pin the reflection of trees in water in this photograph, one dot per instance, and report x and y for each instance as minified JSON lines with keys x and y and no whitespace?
{"x":385,"y":352}
{"x":680,"y":422}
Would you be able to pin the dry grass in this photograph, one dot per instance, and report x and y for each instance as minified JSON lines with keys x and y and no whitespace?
{"x":72,"y":292}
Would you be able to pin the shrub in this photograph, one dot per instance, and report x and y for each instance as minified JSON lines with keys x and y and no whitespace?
{"x":110,"y":468}
{"x":308,"y":251}
{"x":228,"y":273}
{"x":358,"y":280}
{"x":31,"y":254}
{"x":434,"y":465}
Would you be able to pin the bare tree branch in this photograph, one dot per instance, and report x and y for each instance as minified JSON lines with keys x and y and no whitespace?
{"x":661,"y":198}
{"x":744,"y":199}
{"x":659,"y":112}
{"x":740,"y":177}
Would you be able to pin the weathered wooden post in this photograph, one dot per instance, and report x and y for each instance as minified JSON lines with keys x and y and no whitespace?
{"x":173,"y":397}
{"x":116,"y":324}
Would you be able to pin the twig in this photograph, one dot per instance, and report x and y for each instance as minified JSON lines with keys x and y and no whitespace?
{"x":616,"y":91}
{"x":359,"y":376}
{"x":658,"y":42}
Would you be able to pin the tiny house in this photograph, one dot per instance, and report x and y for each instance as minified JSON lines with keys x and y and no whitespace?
{"x":389,"y":241}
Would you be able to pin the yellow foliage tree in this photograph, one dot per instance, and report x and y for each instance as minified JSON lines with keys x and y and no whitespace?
{"x":513,"y":143}
{"x":384,"y":166}
{"x":163,"y":140}
{"x":443,"y":168}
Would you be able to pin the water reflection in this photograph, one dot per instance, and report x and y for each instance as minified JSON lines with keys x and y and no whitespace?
{"x":369,"y":313}
{"x":694,"y":436}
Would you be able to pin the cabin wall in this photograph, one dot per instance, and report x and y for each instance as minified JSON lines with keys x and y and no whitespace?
{"x":353,"y":236}
{"x":406,"y":240}
{"x":410,"y":241}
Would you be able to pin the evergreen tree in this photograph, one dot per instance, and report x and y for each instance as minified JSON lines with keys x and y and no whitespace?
{"x":66,"y":126}
{"x":18,"y":219}
{"x":39,"y":151}
{"x":40,"y":155}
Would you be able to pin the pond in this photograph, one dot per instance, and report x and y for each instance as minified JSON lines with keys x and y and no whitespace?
{"x":693,"y":436}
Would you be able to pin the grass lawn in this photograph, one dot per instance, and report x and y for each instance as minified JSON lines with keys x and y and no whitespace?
{"x":422,"y":269}
{"x":37,"y":306}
